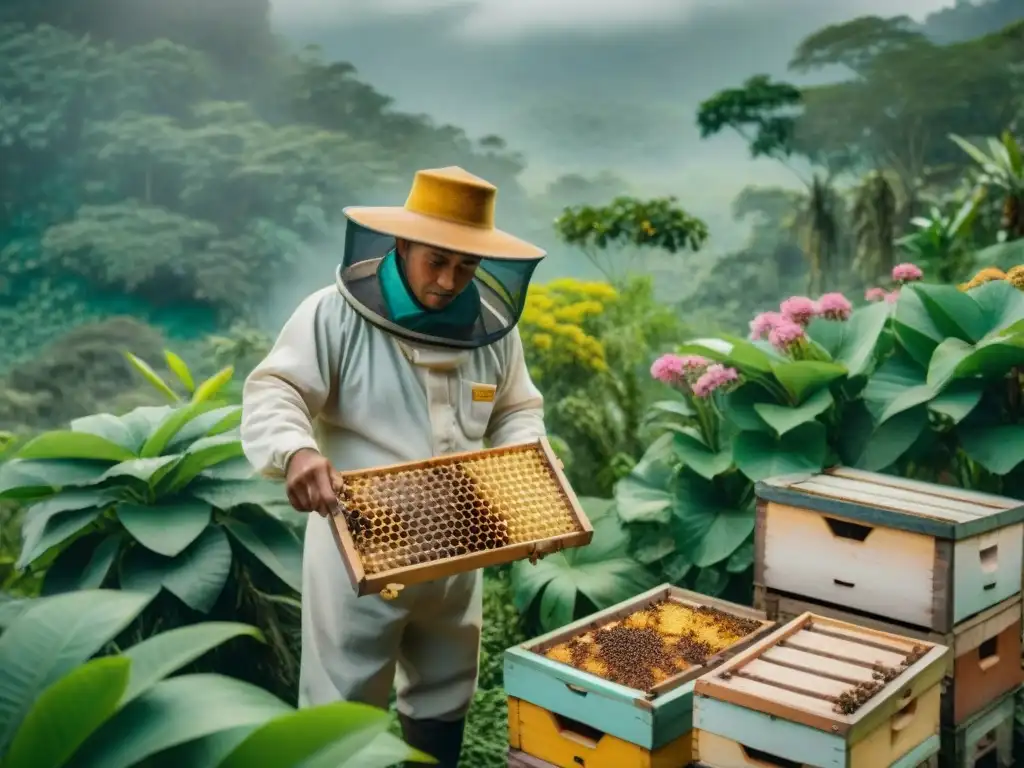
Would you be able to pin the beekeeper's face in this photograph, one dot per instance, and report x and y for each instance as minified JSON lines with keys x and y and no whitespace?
{"x":435,"y":276}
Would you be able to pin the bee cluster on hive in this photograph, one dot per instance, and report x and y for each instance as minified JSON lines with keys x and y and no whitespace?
{"x":408,"y":517}
{"x":653,"y":644}
{"x":850,"y":701}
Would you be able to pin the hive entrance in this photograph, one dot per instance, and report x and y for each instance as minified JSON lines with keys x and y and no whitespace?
{"x":450,"y":507}
{"x":652,"y":644}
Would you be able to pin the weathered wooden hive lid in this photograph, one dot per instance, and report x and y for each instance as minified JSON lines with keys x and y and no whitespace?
{"x":893,"y":502}
{"x":829,"y":675}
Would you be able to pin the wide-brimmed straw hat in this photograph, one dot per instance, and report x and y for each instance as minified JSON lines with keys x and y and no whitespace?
{"x":448,"y":208}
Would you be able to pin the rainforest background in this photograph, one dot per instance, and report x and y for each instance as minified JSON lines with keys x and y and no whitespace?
{"x":172,"y":178}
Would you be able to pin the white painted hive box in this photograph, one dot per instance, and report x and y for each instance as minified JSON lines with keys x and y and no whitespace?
{"x":916,"y":553}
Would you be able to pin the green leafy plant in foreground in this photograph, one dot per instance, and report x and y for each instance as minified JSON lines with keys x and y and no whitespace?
{"x":568,"y":585}
{"x":162,"y":501}
{"x":60,"y":707}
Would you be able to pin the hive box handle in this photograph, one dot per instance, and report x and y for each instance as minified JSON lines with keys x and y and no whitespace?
{"x":760,"y":757}
{"x":844,"y":529}
{"x":904,"y":717}
{"x":841,"y":583}
{"x":576,"y":689}
{"x":988,"y":653}
{"x":989,"y":558}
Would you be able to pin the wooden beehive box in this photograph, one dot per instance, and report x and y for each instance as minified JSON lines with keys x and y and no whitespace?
{"x":625,"y":691}
{"x":419,"y":521}
{"x":823,"y":693}
{"x":984,"y":740}
{"x":984,"y":663}
{"x":911,"y":552}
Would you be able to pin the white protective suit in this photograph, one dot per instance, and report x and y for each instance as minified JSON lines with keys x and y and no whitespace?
{"x":363,"y":398}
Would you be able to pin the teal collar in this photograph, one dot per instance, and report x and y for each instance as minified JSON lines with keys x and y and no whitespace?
{"x":456,"y":320}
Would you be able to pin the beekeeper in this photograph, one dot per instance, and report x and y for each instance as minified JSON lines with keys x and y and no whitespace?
{"x":413,"y":353}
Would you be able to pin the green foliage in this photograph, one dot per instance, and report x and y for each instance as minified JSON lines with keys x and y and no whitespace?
{"x":163,"y":502}
{"x":689,"y":503}
{"x":61,"y":707}
{"x":503,"y":627}
{"x":628,"y":223}
{"x":759,"y":110}
{"x":569,"y":585}
{"x":940,"y":242}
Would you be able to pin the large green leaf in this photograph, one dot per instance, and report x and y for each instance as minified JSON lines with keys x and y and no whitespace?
{"x":226,"y":494}
{"x":213,"y":385}
{"x":67,"y":713}
{"x":958,"y":400}
{"x":49,"y":522}
{"x":956,"y":359}
{"x":697,"y":456}
{"x":1001,"y":303}
{"x":296,"y":737}
{"x":602,"y":572}
{"x":385,"y":751}
{"x":955,"y":313}
{"x":179,"y":368}
{"x":149,"y":472}
{"x":84,"y":564}
{"x":161,"y":655}
{"x":28,"y":480}
{"x":673,"y":408}
{"x":201,"y":455}
{"x":270,"y":541}
{"x":890,"y":440}
{"x":52,"y":637}
{"x":914,"y":327}
{"x":196,"y":576}
{"x":760,"y":455}
{"x":107,"y":426}
{"x":997,"y":449}
{"x":645,"y":494}
{"x":740,"y":407}
{"x":893,"y":380}
{"x":860,"y":338}
{"x":708,"y":528}
{"x":152,"y":377}
{"x":65,"y":444}
{"x":802,"y":378}
{"x":177,"y":711}
{"x":785,"y":418}
{"x":735,"y":352}
{"x":166,"y":528}
{"x":171,"y":426}
{"x":207,"y":424}
{"x":142,"y":421}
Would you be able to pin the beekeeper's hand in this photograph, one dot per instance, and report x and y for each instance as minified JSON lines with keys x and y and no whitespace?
{"x":310,"y":483}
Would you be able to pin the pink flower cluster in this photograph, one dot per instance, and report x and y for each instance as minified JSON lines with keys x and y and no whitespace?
{"x":906,"y":273}
{"x":901,"y":275}
{"x":715,"y":377}
{"x":678,"y":369}
{"x":693,"y":373}
{"x":785,"y":328}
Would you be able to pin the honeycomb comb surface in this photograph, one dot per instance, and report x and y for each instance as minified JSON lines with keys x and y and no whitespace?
{"x":413,"y":516}
{"x":653,"y":643}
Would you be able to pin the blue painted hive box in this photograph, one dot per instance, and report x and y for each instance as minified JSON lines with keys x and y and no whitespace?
{"x":914,"y":553}
{"x":629,"y":671}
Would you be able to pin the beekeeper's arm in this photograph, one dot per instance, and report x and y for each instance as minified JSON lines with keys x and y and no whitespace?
{"x":518,"y":415}
{"x":286,"y":392}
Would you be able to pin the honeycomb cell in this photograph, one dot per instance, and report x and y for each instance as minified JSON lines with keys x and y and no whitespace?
{"x":492,"y":499}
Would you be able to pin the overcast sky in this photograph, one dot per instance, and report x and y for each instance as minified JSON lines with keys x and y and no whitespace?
{"x":584,"y":85}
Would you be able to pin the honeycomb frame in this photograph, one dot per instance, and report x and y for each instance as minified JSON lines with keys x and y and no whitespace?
{"x":666,"y":592}
{"x":499,"y":505}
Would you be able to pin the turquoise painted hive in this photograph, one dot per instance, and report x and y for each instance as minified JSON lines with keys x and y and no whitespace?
{"x":606,"y":671}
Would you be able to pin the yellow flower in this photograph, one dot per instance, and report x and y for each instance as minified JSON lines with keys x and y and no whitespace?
{"x":541,"y":341}
{"x":1016,"y":277}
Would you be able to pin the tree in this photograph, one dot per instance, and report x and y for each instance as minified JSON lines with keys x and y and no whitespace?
{"x":1002,"y":168}
{"x":629,"y":227}
{"x":875,"y":221}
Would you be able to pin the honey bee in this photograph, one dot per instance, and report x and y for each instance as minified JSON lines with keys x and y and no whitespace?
{"x":390,"y":592}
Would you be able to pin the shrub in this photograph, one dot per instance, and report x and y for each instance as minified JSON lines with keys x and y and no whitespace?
{"x":162,"y":501}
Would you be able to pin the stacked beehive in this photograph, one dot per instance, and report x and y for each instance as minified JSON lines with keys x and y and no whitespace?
{"x":616,"y":689}
{"x":913,"y":559}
